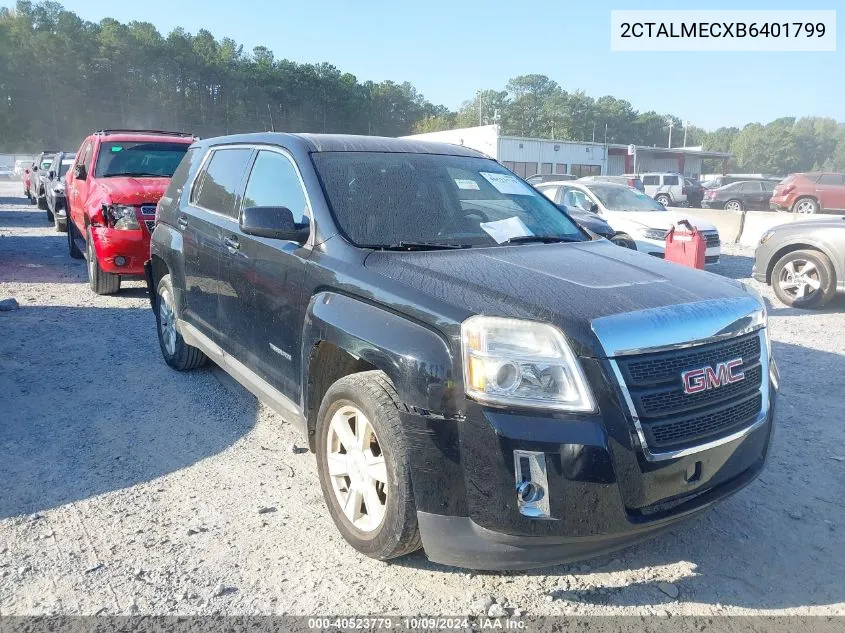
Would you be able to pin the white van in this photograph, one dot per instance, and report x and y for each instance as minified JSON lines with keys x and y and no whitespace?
{"x":667,"y":188}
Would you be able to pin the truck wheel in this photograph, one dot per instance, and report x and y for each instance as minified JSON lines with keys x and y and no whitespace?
{"x":60,"y":224}
{"x":102,"y":283}
{"x":664,"y":200}
{"x":50,"y":215}
{"x":42,"y":202}
{"x":363,"y":463}
{"x":176,"y":352}
{"x":804,"y":279}
{"x":72,"y":248}
{"x":805,"y":205}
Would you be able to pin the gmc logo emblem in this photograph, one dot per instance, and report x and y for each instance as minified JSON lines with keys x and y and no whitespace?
{"x":727,"y":373}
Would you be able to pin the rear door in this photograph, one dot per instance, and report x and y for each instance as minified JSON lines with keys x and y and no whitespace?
{"x":830,"y":190}
{"x":752,"y":194}
{"x":212,"y":207}
{"x":261,"y":303}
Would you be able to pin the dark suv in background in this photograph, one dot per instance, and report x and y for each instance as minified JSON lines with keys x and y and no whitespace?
{"x":476,"y":375}
{"x":54,"y":189}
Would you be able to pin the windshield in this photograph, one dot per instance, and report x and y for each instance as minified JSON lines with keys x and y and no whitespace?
{"x":616,"y":198}
{"x":65,"y":165}
{"x":45,"y":164}
{"x":385,"y":199}
{"x":139,"y":159}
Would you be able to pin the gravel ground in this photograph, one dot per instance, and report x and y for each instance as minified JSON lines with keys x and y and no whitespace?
{"x":128,"y":488}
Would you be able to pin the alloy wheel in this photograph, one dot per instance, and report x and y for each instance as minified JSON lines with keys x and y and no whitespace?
{"x":799,"y":279}
{"x":356,"y":468}
{"x":733,"y":205}
{"x":167,"y":322}
{"x":805,"y":206}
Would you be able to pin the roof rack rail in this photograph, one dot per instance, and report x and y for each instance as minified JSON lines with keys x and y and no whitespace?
{"x":128,"y":131}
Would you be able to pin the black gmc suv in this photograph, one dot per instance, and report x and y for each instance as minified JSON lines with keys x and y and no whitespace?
{"x":476,"y":375}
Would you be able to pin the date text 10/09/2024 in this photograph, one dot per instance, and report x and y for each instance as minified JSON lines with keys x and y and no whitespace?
{"x":416,"y":623}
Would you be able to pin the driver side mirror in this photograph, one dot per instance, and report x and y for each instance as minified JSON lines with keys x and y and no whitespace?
{"x":594,"y":208}
{"x":273,"y":222}
{"x":51,"y":174}
{"x":26,"y":171}
{"x":80,"y":173}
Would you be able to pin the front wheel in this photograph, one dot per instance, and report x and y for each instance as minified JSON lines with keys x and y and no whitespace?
{"x":804,"y":279}
{"x":363,"y":463}
{"x":50,"y":215}
{"x":101,"y":282}
{"x":733,"y":205}
{"x":664,"y":200}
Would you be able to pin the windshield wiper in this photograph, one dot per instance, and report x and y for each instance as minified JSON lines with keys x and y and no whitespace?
{"x":416,"y":246}
{"x":544,"y":239}
{"x":133,"y":174}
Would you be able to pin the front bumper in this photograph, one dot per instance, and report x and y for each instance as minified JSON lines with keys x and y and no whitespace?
{"x":603,"y":493}
{"x":133,"y":246}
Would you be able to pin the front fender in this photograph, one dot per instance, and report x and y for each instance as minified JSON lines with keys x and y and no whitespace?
{"x":416,"y":358}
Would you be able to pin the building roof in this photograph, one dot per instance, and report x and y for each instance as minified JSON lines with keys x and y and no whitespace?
{"x":687,"y":151}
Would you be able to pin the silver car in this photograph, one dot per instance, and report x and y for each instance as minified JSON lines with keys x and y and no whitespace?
{"x":804,"y":262}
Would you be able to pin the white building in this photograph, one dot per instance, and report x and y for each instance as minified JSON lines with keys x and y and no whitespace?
{"x":529,"y":156}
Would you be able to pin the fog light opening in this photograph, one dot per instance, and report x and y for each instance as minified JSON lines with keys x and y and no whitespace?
{"x":530,"y":492}
{"x":120,"y":260}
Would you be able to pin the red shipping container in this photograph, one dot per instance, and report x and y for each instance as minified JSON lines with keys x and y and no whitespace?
{"x":686,"y":247}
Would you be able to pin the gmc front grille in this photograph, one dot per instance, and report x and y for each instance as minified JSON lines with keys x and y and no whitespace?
{"x":671,"y":419}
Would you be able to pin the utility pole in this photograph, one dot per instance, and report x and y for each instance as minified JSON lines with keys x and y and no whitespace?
{"x":594,"y":131}
{"x":686,"y":125}
{"x":605,"y":149}
{"x":671,"y":124}
{"x":478,"y":96}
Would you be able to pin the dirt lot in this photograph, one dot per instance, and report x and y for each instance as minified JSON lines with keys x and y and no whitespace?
{"x":126,"y":487}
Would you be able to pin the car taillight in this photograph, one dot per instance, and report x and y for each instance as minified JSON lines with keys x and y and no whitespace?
{"x":710,"y":194}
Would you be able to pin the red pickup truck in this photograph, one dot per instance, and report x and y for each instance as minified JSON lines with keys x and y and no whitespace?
{"x":112,"y":190}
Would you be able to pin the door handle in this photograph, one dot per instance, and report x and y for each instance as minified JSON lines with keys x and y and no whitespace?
{"x":231,"y":243}
{"x":182,"y":221}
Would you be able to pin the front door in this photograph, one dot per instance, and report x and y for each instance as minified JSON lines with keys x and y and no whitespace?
{"x":830,"y":190}
{"x":211,"y":209}
{"x":78,"y":191}
{"x":264,"y":311}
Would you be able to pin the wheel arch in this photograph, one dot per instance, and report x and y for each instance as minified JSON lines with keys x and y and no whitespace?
{"x":804,"y":245}
{"x":806,"y":196}
{"x":166,"y":257}
{"x":345,"y":335}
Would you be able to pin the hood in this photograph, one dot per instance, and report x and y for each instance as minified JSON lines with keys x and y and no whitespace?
{"x":569,"y":285}
{"x":134,"y":191}
{"x":661,"y":219}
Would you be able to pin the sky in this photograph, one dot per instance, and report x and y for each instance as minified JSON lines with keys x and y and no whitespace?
{"x":448,"y":49}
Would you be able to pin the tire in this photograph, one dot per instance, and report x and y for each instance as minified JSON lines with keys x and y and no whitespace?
{"x":175,"y":351}
{"x":805,"y":206}
{"x":101,"y":282}
{"x":42,"y":202}
{"x":664,"y":200}
{"x":72,"y":248}
{"x":733,"y":205}
{"x":50,"y":216}
{"x":369,"y":394}
{"x":624,"y":240}
{"x":791,"y":274}
{"x":60,"y":224}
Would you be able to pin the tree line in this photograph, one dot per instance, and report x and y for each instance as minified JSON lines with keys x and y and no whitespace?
{"x":62,"y":77}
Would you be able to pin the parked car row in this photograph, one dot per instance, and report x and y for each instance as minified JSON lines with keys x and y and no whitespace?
{"x":438,"y":329}
{"x":638,"y":221}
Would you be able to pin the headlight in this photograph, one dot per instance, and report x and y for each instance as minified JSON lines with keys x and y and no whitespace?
{"x":654,"y":234}
{"x":522,"y":363}
{"x":122,"y":217}
{"x":766,"y":236}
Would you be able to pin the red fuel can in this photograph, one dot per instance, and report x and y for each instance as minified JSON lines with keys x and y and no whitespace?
{"x":687,"y":247}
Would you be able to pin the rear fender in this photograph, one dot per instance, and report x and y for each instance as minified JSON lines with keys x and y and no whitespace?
{"x":167,"y":248}
{"x":416,"y":358}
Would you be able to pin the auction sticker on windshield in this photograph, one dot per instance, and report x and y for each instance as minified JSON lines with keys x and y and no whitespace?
{"x":466,"y":183}
{"x":507,"y":184}
{"x":507,"y":229}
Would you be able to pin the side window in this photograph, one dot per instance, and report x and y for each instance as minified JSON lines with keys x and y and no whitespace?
{"x":85,"y":156}
{"x":670,"y":180}
{"x":218,"y":186}
{"x":830,"y":179}
{"x":274,"y":183}
{"x":651,"y":180}
{"x":769,"y":186}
